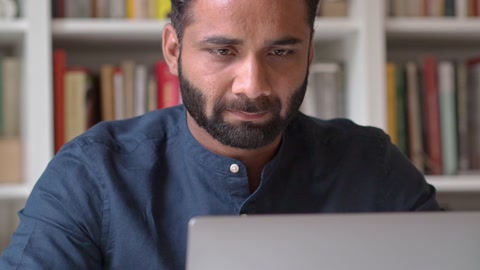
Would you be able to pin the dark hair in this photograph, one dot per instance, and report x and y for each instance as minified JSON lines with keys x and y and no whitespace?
{"x":181,"y":17}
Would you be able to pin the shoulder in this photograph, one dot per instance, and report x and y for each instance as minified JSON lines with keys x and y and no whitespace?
{"x":337,"y":131}
{"x":124,"y":136}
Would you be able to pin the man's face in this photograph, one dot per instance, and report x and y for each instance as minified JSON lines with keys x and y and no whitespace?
{"x":243,"y":68}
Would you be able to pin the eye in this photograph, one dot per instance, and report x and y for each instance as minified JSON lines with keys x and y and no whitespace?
{"x":220,"y":52}
{"x":281,"y":52}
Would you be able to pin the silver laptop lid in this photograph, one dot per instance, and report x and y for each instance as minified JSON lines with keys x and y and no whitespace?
{"x":437,"y":241}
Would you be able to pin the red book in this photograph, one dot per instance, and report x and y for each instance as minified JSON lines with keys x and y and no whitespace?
{"x":168,"y":88}
{"x":59,"y":66}
{"x":60,"y":8}
{"x":432,"y":113}
{"x":475,"y":8}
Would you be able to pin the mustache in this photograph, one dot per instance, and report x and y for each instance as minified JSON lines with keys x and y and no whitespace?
{"x":244,"y":104}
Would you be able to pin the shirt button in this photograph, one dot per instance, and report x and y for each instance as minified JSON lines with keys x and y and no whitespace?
{"x":234,"y":168}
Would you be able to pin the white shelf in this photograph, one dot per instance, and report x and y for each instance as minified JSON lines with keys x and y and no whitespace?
{"x":459,"y":183}
{"x":11,"y":191}
{"x":334,"y":28}
{"x":107,"y":30}
{"x":12,"y":31}
{"x":465,"y":29}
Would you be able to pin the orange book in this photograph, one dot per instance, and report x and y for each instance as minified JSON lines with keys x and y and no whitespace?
{"x":131,"y":9}
{"x":59,"y":66}
{"x":392,"y":102}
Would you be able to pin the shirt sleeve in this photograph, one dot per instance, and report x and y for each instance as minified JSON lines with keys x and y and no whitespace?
{"x":406,"y":187}
{"x":61,"y":224}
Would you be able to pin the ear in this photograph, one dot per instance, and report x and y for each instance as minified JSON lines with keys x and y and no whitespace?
{"x":171,"y":48}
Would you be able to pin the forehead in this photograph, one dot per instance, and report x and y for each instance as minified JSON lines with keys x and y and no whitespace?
{"x":252,"y":17}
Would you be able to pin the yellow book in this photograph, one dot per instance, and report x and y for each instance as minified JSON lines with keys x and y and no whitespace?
{"x":164,"y":8}
{"x":391,"y":69}
{"x":131,"y":9}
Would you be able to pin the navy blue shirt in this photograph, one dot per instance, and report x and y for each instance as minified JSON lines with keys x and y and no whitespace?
{"x":120,"y":196}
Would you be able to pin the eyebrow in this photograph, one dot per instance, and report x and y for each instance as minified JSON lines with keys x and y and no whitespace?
{"x":220,"y":40}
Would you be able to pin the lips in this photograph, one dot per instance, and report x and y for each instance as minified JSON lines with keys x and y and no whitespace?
{"x":249,"y":116}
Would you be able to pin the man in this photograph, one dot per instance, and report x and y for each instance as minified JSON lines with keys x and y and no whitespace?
{"x":120,"y":196}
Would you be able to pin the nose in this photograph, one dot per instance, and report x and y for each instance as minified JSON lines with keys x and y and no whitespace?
{"x":252,"y":79}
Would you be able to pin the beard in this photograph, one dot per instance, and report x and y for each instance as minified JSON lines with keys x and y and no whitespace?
{"x":245,"y":135}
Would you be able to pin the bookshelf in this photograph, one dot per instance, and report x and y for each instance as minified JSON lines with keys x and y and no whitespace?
{"x":362,"y":42}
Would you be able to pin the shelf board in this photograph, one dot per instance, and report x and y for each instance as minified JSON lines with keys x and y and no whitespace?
{"x":108,"y":30}
{"x":446,"y":29}
{"x":457,"y":183}
{"x":334,"y":28}
{"x":12,"y":31}
{"x":14,"y":191}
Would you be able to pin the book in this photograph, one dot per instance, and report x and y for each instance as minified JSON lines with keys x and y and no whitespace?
{"x":107,"y":92}
{"x":401,"y":107}
{"x":164,"y":8}
{"x":11,"y":96}
{"x":152,"y":94}
{"x":432,"y":112}
{"x":450,"y":8}
{"x":447,"y":95}
{"x":10,"y":160}
{"x":414,"y":116}
{"x":140,"y":90}
{"x":333,"y":8}
{"x":128,"y":72}
{"x":76,"y":85}
{"x":1,"y":96}
{"x":168,"y":89}
{"x":391,"y":70}
{"x":117,"y":9}
{"x":119,"y":94}
{"x":59,"y":66}
{"x":463,"y":117}
{"x":474,"y":112}
{"x":326,"y":89}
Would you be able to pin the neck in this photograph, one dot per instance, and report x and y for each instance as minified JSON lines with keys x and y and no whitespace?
{"x":253,"y":159}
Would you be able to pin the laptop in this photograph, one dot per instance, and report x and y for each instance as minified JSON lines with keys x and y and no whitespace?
{"x":386,"y":241}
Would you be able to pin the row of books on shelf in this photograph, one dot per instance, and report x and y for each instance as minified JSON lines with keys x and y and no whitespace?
{"x":10,"y":145}
{"x":118,"y":91}
{"x":430,"y":8}
{"x":434,"y":114}
{"x":325,"y":95}
{"x":151,"y":9}
{"x":117,"y":9}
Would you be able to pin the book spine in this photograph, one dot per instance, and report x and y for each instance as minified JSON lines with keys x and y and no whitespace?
{"x":11,"y":96}
{"x":140,"y":90}
{"x":414,"y":116}
{"x":106,"y":92}
{"x":474,"y":112}
{"x":128,"y":71}
{"x":401,"y":110}
{"x":168,"y":86}
{"x":432,"y":116}
{"x":75,"y":106}
{"x":59,"y":66}
{"x":163,"y":8}
{"x":391,"y":102}
{"x":119,"y":94}
{"x":448,"y":118}
{"x":450,"y":7}
{"x":1,"y":98}
{"x":152,"y":94}
{"x":463,"y":117}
